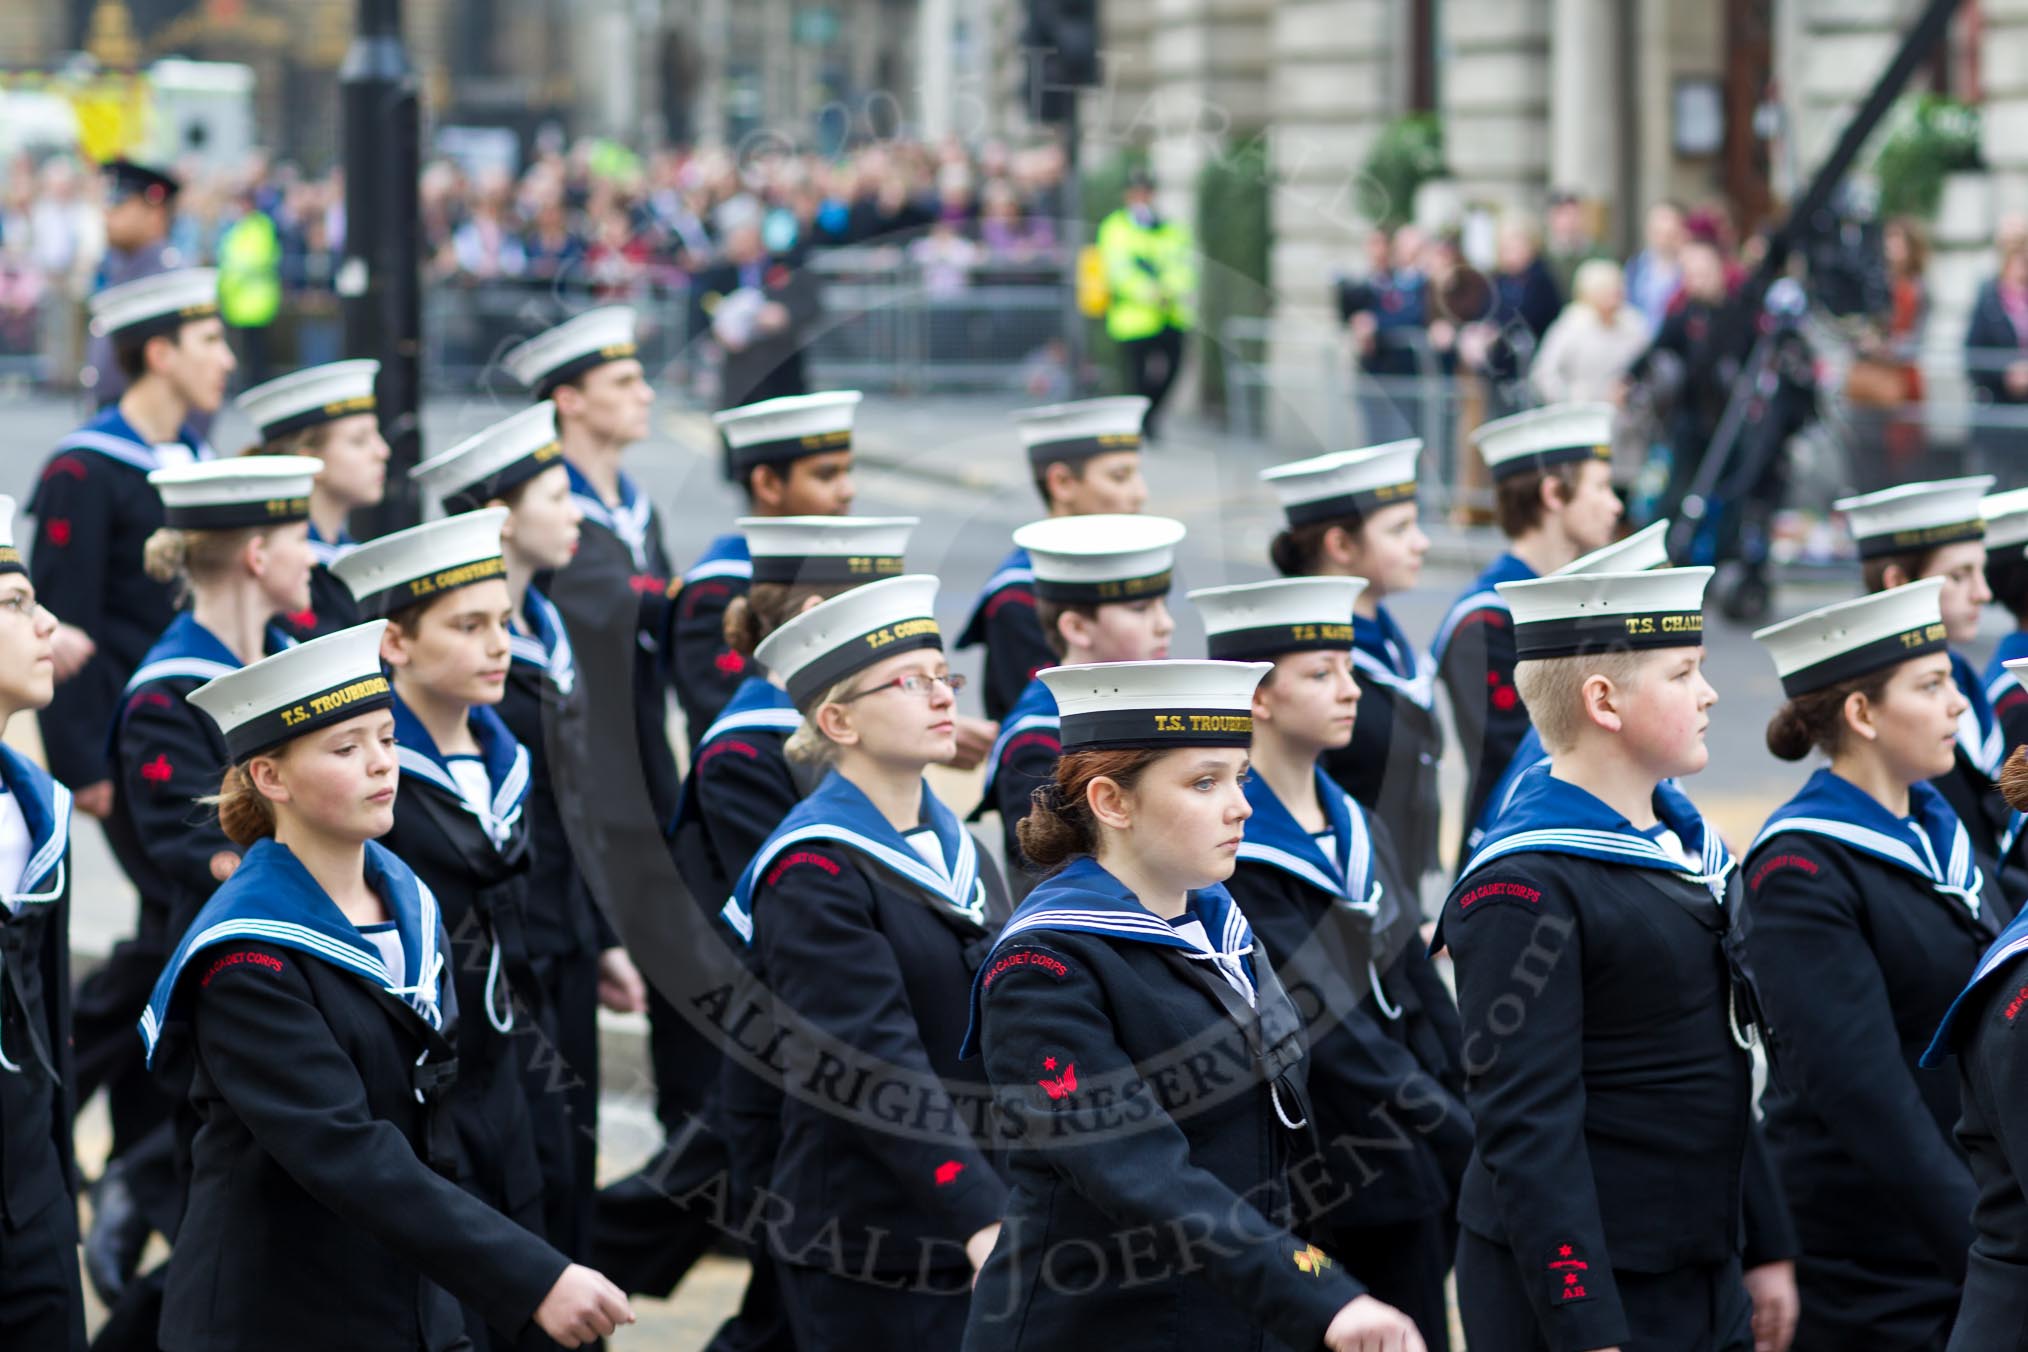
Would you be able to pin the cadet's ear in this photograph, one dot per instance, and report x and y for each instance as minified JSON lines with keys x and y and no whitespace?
{"x":1601,"y":701}
{"x":1858,"y":711}
{"x":835,"y":722}
{"x":1892,"y":576}
{"x":1110,"y":804}
{"x":394,"y":645}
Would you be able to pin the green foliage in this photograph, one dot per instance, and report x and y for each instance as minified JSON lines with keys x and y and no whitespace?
{"x":1235,"y":233}
{"x":1926,"y":137}
{"x":1408,"y":153}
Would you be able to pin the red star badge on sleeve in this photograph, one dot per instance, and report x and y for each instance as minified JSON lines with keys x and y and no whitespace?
{"x":948,"y":1171}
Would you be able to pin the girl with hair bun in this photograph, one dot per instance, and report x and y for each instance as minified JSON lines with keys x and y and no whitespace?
{"x":327,"y":412}
{"x":235,"y":540}
{"x":1125,"y":974}
{"x":309,"y":1016}
{"x":867,"y":911}
{"x":1318,"y":878}
{"x":1865,"y":906}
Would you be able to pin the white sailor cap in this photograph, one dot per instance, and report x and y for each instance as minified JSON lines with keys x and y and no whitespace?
{"x":1077,"y":431}
{"x":310,"y":398}
{"x":424,"y":561}
{"x":2017,"y":667}
{"x":850,"y":632}
{"x":1256,"y":621}
{"x":1914,"y":517}
{"x":572,"y":348}
{"x":1577,"y":614}
{"x":1646,"y":548}
{"x":154,"y":305}
{"x":1854,"y":638}
{"x":1093,"y":560}
{"x":1155,"y":704}
{"x":236,"y":493}
{"x":2006,"y":517}
{"x":826,"y":549}
{"x":777,"y":431}
{"x":1541,"y":438}
{"x":10,"y":553}
{"x":1345,"y":483}
{"x":495,"y":461}
{"x":297,"y":691}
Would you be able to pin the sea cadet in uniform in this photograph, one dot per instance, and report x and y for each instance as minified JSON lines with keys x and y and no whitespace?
{"x":1085,"y":458}
{"x":868,"y":910}
{"x":1318,"y":879}
{"x":1937,"y":529}
{"x":310,"y":1014}
{"x":235,"y":545}
{"x":614,"y":594}
{"x":789,"y":457}
{"x":1864,"y":911}
{"x":1147,"y":1064}
{"x":576,"y":959}
{"x":94,"y":510}
{"x":1607,"y":1036}
{"x":41,"y":1305}
{"x":1101,"y":589}
{"x":1353,"y":514}
{"x":462,"y":825}
{"x":1553,"y":494}
{"x":327,"y":412}
{"x":1981,"y":1030}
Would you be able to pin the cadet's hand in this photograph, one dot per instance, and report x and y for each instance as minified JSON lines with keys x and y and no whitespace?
{"x":95,"y":800}
{"x":1776,"y":1306}
{"x":980,"y":1247}
{"x":582,"y":1307}
{"x":975,"y":739}
{"x":620,"y":986}
{"x":70,"y":648}
{"x":1367,"y":1325}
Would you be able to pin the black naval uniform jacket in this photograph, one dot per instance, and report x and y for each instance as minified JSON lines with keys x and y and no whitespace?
{"x":616,"y":608}
{"x":94,"y":511}
{"x":1394,"y":1082}
{"x":1856,"y":962}
{"x":1992,"y":1075}
{"x":1004,"y":622}
{"x":1611,"y":1102}
{"x":705,"y":670}
{"x":318,"y":1200}
{"x":482,"y":892}
{"x":1391,"y":764}
{"x":1147,"y":1162}
{"x":882,"y":1170}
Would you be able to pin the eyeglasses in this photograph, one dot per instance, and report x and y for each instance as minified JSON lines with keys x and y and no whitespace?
{"x":913,"y":684}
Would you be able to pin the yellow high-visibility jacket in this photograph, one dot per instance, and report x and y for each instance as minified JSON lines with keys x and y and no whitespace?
{"x":1151,"y":274}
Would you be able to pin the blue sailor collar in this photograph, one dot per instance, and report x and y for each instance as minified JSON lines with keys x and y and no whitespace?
{"x":545,"y":642}
{"x":727,"y":556}
{"x":189,"y":651}
{"x":272,"y":899}
{"x":1085,"y":898}
{"x":506,"y":762}
{"x":1273,"y":838}
{"x":1998,"y":681}
{"x":1529,"y":754}
{"x":45,"y":810}
{"x":1979,"y":736}
{"x":757,"y":703}
{"x":328,"y":552}
{"x":2013,"y":941}
{"x":1016,"y":570}
{"x":1036,"y":708}
{"x":1382,"y":653}
{"x":838,"y":813}
{"x":1930,"y":843}
{"x":1548,"y":815}
{"x":628,"y":522}
{"x":1480,"y":596}
{"x":111,"y":435}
